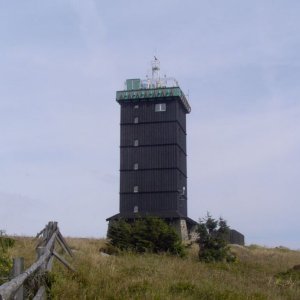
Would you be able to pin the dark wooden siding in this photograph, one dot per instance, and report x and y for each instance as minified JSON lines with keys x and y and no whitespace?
{"x":181,"y":116}
{"x":160,"y":154}
{"x":181,"y":161}
{"x":153,"y":134}
{"x":149,"y":202}
{"x":155,"y":157}
{"x":236,"y":237}
{"x":149,"y":180}
{"x":146,"y":112}
{"x":154,"y":182}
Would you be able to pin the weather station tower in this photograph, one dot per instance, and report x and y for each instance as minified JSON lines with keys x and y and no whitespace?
{"x":153,"y":155}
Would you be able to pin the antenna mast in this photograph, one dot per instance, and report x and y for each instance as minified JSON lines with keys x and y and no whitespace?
{"x":156,"y":81}
{"x":155,"y":68}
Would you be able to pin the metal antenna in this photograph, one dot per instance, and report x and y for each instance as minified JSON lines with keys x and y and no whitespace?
{"x":155,"y":68}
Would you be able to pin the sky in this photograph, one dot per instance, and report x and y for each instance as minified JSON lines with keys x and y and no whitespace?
{"x":61,"y":63}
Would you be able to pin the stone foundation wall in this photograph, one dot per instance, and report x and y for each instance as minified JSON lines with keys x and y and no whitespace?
{"x":181,"y":228}
{"x":193,"y":235}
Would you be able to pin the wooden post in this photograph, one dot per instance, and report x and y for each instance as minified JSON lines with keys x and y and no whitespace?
{"x":40,"y":252}
{"x":41,"y":294}
{"x":18,"y":268}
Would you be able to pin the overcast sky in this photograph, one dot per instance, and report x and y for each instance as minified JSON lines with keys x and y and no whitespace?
{"x":61,"y":62}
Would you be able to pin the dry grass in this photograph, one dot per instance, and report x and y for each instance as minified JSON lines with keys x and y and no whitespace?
{"x":149,"y":276}
{"x":24,"y":247}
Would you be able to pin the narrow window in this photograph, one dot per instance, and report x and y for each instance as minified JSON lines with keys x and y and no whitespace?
{"x":160,"y":107}
{"x":136,"y":209}
{"x":135,"y":189}
{"x":135,"y":143}
{"x":136,"y":106}
{"x":136,"y":120}
{"x":135,"y":166}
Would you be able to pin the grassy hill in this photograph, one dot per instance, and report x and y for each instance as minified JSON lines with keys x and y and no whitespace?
{"x":259,"y":273}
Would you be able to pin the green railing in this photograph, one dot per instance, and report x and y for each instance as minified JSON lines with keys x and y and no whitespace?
{"x":148,"y":94}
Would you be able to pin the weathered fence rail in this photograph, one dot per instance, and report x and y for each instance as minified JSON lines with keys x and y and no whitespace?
{"x":46,"y":253}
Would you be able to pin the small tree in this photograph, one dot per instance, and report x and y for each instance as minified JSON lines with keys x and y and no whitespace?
{"x":213,"y":240}
{"x":149,"y":234}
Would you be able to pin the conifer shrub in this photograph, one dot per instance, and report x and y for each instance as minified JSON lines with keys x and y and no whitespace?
{"x":213,"y":240}
{"x":148,"y":234}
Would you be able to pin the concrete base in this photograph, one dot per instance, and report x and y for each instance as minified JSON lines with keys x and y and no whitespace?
{"x":186,"y":231}
{"x":181,"y":228}
{"x":193,"y":234}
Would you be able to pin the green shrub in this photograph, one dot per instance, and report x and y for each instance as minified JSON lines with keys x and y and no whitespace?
{"x":5,"y":260}
{"x":213,"y":240}
{"x":5,"y":265}
{"x":149,"y":234}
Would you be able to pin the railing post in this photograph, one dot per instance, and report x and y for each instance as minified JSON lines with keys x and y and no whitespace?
{"x":40,"y":251}
{"x":41,"y":294}
{"x":18,"y":268}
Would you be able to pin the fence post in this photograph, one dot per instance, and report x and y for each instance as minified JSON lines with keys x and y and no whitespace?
{"x":41,"y":294}
{"x":40,"y":251}
{"x":18,"y":268}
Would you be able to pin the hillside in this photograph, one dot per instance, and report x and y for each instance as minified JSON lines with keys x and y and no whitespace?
{"x":130,"y":276}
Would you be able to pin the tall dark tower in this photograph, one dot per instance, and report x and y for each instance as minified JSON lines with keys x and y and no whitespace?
{"x":153,"y":168}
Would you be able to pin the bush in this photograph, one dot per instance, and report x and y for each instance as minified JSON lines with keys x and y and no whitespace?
{"x":213,"y":240}
{"x":5,"y":260}
{"x":148,"y":234}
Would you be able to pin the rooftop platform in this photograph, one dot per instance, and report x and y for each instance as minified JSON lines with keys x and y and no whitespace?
{"x":140,"y":91}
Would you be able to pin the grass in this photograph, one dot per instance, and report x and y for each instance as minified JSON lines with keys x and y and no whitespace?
{"x":259,"y":273}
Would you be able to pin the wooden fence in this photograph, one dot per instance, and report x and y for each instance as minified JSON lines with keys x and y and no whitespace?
{"x":45,"y":249}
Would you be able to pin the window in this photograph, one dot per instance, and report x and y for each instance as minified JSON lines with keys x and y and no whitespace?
{"x":135,"y":189}
{"x":136,"y":209}
{"x":136,"y":106}
{"x":135,"y":143}
{"x":136,"y":120}
{"x":160,"y":107}
{"x":135,"y":166}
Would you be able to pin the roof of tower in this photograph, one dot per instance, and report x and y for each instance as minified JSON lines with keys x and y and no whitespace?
{"x":152,"y":88}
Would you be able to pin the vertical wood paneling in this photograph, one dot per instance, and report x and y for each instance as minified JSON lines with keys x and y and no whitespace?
{"x":169,"y":156}
{"x":153,"y":134}
{"x":149,"y":180}
{"x":151,"y":202}
{"x":161,"y":157}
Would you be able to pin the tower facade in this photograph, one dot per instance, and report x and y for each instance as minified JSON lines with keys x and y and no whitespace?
{"x":153,"y":164}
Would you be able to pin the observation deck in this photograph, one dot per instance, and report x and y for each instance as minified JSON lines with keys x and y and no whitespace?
{"x":152,"y":88}
{"x":149,"y":94}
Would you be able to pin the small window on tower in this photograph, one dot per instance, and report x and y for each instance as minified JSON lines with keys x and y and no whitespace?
{"x":136,"y":106}
{"x":136,"y":120}
{"x":136,"y":209}
{"x":160,"y":107}
{"x":135,"y":166}
{"x":135,"y":143}
{"x":135,"y":189}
